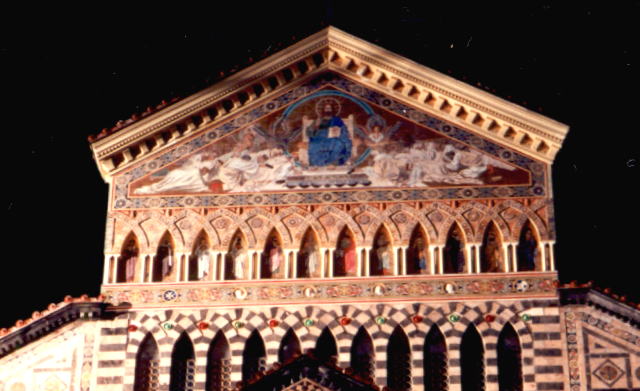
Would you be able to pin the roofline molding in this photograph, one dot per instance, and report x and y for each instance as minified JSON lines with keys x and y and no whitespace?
{"x":332,"y":49}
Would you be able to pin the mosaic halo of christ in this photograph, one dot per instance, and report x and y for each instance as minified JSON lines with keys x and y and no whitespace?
{"x":330,"y":140}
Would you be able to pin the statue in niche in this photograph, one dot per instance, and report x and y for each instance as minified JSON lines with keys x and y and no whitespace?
{"x":419,"y":251}
{"x":345,"y":259}
{"x":130,"y":257}
{"x":309,"y":265}
{"x":454,"y":261}
{"x":527,"y":251}
{"x":239,"y":259}
{"x":203,"y":260}
{"x":382,"y":264}
{"x":492,"y":254}
{"x":165,"y":255}
{"x":273,"y":260}
{"x":329,"y":137}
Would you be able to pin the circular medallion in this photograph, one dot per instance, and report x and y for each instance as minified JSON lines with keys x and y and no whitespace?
{"x":237,"y":324}
{"x":521,"y":286}
{"x":273,"y":323}
{"x":454,"y":318}
{"x":310,"y":292}
{"x":240,"y":293}
{"x":525,"y":317}
{"x":167,"y":325}
{"x":417,"y":319}
{"x":169,"y":295}
{"x":203,"y":325}
{"x":345,"y":321}
{"x":308,"y":322}
{"x":381,"y":320}
{"x":379,"y":290}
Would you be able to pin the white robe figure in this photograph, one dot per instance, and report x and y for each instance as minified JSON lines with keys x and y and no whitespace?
{"x":186,"y":178}
{"x":239,"y":263}
{"x":204,"y":262}
{"x":312,"y":262}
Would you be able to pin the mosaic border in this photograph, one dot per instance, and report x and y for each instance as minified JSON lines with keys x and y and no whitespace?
{"x":122,"y":200}
{"x":312,"y":291}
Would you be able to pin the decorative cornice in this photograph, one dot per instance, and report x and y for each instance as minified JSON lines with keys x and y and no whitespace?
{"x":333,"y":49}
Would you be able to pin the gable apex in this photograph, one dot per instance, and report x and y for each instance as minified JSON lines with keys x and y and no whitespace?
{"x":332,"y":49}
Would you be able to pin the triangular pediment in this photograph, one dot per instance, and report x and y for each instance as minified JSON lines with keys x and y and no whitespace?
{"x":377,"y":70}
{"x":330,"y":139}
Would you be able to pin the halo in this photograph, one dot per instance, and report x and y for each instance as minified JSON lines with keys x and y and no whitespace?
{"x":376,"y":120}
{"x":335,"y":105}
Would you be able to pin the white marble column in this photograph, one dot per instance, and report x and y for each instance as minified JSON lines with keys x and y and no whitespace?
{"x":222,"y":255}
{"x":360,"y":261}
{"x":405,"y":253}
{"x":505,"y":257}
{"x":514,"y":256}
{"x":441,"y":259}
{"x":552,"y":258}
{"x":367,"y":262}
{"x":330,"y":264}
{"x":468,"y":249}
{"x":152,"y":265}
{"x":106,"y":269}
{"x":476,"y":249}
{"x":324,"y":260}
{"x":252,"y":260}
{"x":396,"y":260}
{"x":432,"y":258}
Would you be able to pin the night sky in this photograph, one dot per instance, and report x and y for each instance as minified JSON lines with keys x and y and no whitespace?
{"x":66,"y":76}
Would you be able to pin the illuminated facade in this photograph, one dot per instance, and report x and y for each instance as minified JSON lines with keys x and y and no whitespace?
{"x":333,"y":217}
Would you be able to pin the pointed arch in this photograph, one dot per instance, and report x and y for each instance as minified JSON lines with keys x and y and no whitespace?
{"x":147,"y":365}
{"x":309,"y":257}
{"x":528,"y":253}
{"x":381,"y":257}
{"x":334,"y":219}
{"x":435,"y":360}
{"x":272,"y":258}
{"x":237,"y":259}
{"x":418,"y":254}
{"x":164,"y":268}
{"x":509,"y":360}
{"x":472,"y":360}
{"x":183,"y":364}
{"x":201,"y":259}
{"x":128,"y":261}
{"x":289,"y":347}
{"x":454,"y":251}
{"x":491,"y":253}
{"x":398,"y":361}
{"x":253,"y":356}
{"x":218,"y":364}
{"x":362,"y":355}
{"x":326,"y":348}
{"x":345,"y":258}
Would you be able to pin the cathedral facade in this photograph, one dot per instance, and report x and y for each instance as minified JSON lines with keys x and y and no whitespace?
{"x":333,"y":217}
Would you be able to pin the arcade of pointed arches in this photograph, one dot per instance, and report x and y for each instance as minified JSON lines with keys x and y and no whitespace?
{"x":358,"y":241}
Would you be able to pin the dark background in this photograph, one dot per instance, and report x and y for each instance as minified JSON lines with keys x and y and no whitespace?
{"x":67,"y":73}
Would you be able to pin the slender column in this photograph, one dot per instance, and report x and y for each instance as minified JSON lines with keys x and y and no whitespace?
{"x":469,"y":252}
{"x":106,"y":269}
{"x":213,"y":266}
{"x":367,"y":262}
{"x":432,"y":258}
{"x":505,"y":257}
{"x":359,"y":261}
{"x":251,"y":260}
{"x":151,"y":268}
{"x":293,"y":255}
{"x":552,"y":258}
{"x":186,"y":260}
{"x":405,"y":253}
{"x":476,"y":249}
{"x":441,"y":259}
{"x":287,"y":263}
{"x":514,"y":257}
{"x":396,"y":260}
{"x":142,"y":259}
{"x":179,"y":265}
{"x":330,"y":265}
{"x":114,"y":278}
{"x":222,"y":255}
{"x":323,"y":260}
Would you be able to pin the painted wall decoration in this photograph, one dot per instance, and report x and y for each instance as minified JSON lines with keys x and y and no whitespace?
{"x":329,"y":140}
